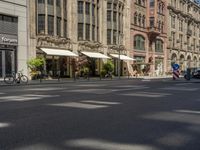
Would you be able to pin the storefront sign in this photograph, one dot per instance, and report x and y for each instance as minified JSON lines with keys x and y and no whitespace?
{"x":8,"y":39}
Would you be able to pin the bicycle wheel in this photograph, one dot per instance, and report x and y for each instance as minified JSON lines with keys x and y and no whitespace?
{"x":24,"y":79}
{"x":9,"y":80}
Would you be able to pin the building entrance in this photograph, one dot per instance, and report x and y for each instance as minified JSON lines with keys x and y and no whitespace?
{"x":7,"y":62}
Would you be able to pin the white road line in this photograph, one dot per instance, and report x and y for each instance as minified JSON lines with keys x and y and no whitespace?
{"x":79,"y":105}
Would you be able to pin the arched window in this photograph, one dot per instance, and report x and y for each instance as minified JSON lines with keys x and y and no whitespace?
{"x":159,"y":45}
{"x":135,"y":18}
{"x":139,"y":42}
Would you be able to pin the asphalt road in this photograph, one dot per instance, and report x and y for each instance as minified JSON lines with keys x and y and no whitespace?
{"x":102,"y":115}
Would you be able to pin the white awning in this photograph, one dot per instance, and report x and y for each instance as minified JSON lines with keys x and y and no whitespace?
{"x":122,"y":57}
{"x":95,"y":55}
{"x":58,"y":52}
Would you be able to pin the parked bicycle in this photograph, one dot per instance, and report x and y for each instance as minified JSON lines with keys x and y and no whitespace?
{"x":108,"y":75}
{"x":16,"y":78}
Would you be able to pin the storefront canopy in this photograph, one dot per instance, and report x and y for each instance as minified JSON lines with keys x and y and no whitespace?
{"x":95,"y":55}
{"x":122,"y":57}
{"x":58,"y":52}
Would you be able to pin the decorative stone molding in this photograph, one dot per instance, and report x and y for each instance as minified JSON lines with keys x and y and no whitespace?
{"x":51,"y":41}
{"x":90,"y":46}
{"x":114,"y":49}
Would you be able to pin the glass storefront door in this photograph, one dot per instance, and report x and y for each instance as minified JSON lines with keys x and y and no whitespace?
{"x":7,"y":62}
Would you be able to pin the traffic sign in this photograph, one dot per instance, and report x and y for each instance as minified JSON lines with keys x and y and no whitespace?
{"x":175,"y":66}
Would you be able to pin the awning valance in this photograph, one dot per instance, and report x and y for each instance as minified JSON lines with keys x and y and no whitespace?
{"x":122,"y":57}
{"x":95,"y":55}
{"x":58,"y":52}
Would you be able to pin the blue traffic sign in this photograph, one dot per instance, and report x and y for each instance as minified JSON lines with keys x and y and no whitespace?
{"x":175,"y":66}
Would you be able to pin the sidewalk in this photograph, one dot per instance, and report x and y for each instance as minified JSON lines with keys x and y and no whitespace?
{"x":96,"y":79}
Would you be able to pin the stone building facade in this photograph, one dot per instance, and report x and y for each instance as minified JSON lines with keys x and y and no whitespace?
{"x":148,"y":39}
{"x":13,"y":37}
{"x":79,"y":26}
{"x":183,"y":33}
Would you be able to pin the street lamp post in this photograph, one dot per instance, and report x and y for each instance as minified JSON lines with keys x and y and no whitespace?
{"x":120,"y":37}
{"x":119,"y":65}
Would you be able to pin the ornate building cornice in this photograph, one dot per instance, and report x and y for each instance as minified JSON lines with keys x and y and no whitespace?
{"x":90,"y":46}
{"x":52,"y":41}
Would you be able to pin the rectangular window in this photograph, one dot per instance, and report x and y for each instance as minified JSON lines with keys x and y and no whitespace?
{"x":58,"y":3}
{"x":50,"y":2}
{"x":181,"y":41}
{"x":65,"y":28}
{"x":7,"y":18}
{"x":1,"y":17}
{"x":199,"y":46}
{"x":58,"y":26}
{"x":173,"y":22}
{"x":93,"y":10}
{"x":114,"y":16}
{"x":109,"y":15}
{"x":115,"y":6}
{"x":114,"y":37}
{"x":41,"y":23}
{"x":87,"y":31}
{"x":173,"y":39}
{"x":109,"y":5}
{"x":64,"y":5}
{"x":181,"y":25}
{"x":80,"y":7}
{"x":151,"y":3}
{"x":97,"y":33}
{"x":194,"y":44}
{"x":93,"y":33}
{"x":87,"y":8}
{"x":50,"y":25}
{"x":108,"y":36}
{"x":41,"y":1}
{"x":80,"y":31}
{"x":151,"y":22}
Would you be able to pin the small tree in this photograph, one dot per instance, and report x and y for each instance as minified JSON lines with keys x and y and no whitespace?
{"x":108,"y":67}
{"x":35,"y":65}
